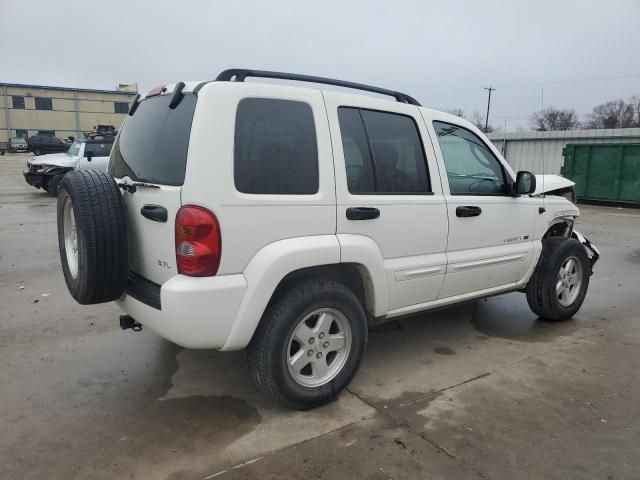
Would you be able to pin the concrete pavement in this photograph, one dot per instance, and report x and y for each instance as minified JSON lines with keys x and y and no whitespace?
{"x":482,"y":390}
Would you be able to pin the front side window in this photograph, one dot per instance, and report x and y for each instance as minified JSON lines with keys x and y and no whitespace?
{"x":383,"y":152}
{"x":275,"y":150}
{"x":18,"y":102}
{"x":98,"y":149}
{"x":44,"y":103}
{"x":472,"y":169}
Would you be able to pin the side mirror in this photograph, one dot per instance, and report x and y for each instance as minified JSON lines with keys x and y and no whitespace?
{"x":525,"y":183}
{"x":89,"y":156}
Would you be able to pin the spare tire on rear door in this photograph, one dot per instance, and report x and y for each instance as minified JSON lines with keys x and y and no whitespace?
{"x":92,"y":236}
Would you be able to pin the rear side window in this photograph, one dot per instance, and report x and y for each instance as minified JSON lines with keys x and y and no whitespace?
{"x":152,"y":146}
{"x":383,"y":152}
{"x":275,"y":149}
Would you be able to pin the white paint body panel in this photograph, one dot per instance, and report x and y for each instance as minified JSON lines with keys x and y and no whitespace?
{"x":55,"y":160}
{"x":152,"y":249}
{"x":548,"y":183}
{"x":417,"y":255}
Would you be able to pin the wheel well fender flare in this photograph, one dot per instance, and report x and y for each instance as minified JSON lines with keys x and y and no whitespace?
{"x":264,"y":273}
{"x":364,"y":252}
{"x":279,"y":260}
{"x":559,"y":226}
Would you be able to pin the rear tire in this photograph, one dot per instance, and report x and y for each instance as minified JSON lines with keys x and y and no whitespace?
{"x":92,"y":236}
{"x":560,"y":281}
{"x":329,"y":315}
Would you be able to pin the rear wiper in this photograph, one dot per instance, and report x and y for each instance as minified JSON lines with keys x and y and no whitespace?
{"x":133,"y":186}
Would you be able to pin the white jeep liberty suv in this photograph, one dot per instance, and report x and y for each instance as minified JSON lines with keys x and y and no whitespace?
{"x":288,"y":219}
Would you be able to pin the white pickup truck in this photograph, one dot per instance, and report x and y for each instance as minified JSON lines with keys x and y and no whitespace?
{"x":46,"y":171}
{"x":289,"y":219}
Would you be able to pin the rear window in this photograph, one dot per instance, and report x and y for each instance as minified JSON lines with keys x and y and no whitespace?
{"x":152,"y":146}
{"x":275,"y":147}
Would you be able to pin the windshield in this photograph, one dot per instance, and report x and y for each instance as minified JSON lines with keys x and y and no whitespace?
{"x":152,"y":146}
{"x":74,"y":149}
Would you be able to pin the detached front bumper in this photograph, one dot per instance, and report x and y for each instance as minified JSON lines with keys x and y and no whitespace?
{"x":592,"y":250}
{"x":40,"y":177}
{"x":35,"y":179}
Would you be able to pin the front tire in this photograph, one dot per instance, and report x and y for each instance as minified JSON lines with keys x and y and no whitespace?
{"x":560,"y":281}
{"x":309,"y":344}
{"x":53,"y":185}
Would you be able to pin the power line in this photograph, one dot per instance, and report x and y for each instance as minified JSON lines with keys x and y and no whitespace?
{"x":553,"y":82}
{"x":549,"y":82}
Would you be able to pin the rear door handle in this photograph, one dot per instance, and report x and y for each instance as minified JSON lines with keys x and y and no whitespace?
{"x":468,"y":211}
{"x":362,"y":213}
{"x":154,"y":212}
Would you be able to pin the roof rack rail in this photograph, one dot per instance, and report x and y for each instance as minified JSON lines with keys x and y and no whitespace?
{"x":239,"y":75}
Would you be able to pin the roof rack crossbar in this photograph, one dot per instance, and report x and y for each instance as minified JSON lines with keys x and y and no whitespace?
{"x":239,"y":75}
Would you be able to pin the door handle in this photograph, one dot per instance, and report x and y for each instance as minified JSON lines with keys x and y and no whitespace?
{"x":468,"y":211}
{"x":362,"y":213}
{"x":154,"y":212}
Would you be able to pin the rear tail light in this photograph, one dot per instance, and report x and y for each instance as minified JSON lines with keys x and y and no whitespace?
{"x":198,"y":242}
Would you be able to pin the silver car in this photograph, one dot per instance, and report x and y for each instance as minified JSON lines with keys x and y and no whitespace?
{"x":17,"y":145}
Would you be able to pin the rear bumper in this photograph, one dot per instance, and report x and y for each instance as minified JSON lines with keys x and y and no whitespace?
{"x":195,"y":312}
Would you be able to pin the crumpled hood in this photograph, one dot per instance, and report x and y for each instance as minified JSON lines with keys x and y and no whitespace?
{"x":55,"y":160}
{"x":548,"y":183}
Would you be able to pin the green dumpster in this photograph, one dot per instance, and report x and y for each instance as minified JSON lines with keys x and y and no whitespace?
{"x":604,"y":171}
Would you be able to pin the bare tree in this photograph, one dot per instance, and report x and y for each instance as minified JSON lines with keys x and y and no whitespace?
{"x":554,"y":119}
{"x":458,"y":112}
{"x":478,"y":120}
{"x":615,"y":114}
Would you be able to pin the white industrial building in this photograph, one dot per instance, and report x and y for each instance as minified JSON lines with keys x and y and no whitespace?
{"x":542,"y":151}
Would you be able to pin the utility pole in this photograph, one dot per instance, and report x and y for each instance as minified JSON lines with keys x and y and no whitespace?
{"x":486,"y":120}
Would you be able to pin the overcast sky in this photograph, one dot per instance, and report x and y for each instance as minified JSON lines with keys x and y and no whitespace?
{"x":442,"y":53}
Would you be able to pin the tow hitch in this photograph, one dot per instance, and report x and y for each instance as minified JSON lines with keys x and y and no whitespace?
{"x":127,"y":321}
